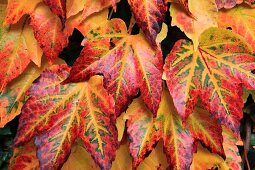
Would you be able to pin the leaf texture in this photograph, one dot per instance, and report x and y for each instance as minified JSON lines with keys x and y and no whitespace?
{"x":144,"y":133}
{"x":58,"y":7}
{"x":149,"y":15}
{"x":24,"y":157}
{"x":129,"y":65}
{"x":17,"y":47}
{"x":48,"y":33}
{"x":58,"y":114}
{"x":13,"y":97}
{"x":241,"y":20}
{"x":215,"y":72}
{"x":17,"y":8}
{"x":204,"y":16}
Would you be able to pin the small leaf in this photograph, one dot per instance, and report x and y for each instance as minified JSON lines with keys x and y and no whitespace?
{"x":149,"y":16}
{"x":49,"y":32}
{"x":214,"y":72}
{"x":24,"y":157}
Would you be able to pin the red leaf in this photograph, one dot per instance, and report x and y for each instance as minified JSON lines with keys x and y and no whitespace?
{"x":48,"y":32}
{"x":215,"y":72}
{"x":131,"y":64}
{"x":149,"y":15}
{"x":58,"y":114}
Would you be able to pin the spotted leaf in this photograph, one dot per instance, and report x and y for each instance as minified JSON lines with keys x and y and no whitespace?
{"x":13,"y":97}
{"x":215,"y":72}
{"x":149,"y":16}
{"x":17,"y":47}
{"x":24,"y":157}
{"x":48,"y":32}
{"x":58,"y":7}
{"x":58,"y":114}
{"x":130,"y":65}
{"x":144,"y":132}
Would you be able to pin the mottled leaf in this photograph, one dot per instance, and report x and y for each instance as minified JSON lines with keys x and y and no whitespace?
{"x":17,"y":8}
{"x":241,"y":20}
{"x":149,"y":16}
{"x":130,"y":65}
{"x":204,"y":16}
{"x":58,"y":114}
{"x":206,"y":129}
{"x":17,"y":47}
{"x":58,"y":7}
{"x":24,"y":157}
{"x":215,"y":72}
{"x":144,"y":133}
{"x":227,"y":3}
{"x":48,"y":32}
{"x":13,"y":97}
{"x":184,"y":4}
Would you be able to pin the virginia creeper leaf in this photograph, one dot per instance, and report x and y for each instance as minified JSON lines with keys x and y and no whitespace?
{"x":48,"y":32}
{"x":17,"y":8}
{"x":17,"y":47}
{"x":144,"y":132}
{"x":203,"y":16}
{"x":131,"y":64}
{"x":241,"y":20}
{"x":24,"y":157}
{"x":58,"y":7}
{"x":215,"y":72}
{"x":58,"y":114}
{"x":13,"y":96}
{"x":149,"y":16}
{"x":206,"y":129}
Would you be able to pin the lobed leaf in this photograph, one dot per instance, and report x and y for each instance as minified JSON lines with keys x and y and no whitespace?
{"x":149,"y":15}
{"x":215,"y":72}
{"x":48,"y":33}
{"x":58,"y":114}
{"x":130,"y":65}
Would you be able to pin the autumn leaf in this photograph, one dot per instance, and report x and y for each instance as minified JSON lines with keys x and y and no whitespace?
{"x":227,"y":4}
{"x":13,"y":96}
{"x":58,"y":114}
{"x":204,"y":16}
{"x":57,"y":7}
{"x":241,"y":20}
{"x":24,"y":157}
{"x":17,"y":47}
{"x":184,"y":4}
{"x":130,"y":65}
{"x":48,"y":33}
{"x":149,"y":15}
{"x":214,"y":72}
{"x":144,"y":133}
{"x":17,"y":8}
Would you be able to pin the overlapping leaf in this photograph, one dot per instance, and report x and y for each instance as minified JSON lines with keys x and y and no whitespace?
{"x":58,"y":114}
{"x":184,"y":4}
{"x":48,"y":32}
{"x":24,"y":157}
{"x":214,"y":72}
{"x":13,"y":97}
{"x":241,"y":20}
{"x":17,"y":47}
{"x":17,"y":8}
{"x":149,"y":16}
{"x":129,"y":65}
{"x":231,"y":3}
{"x":204,"y":16}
